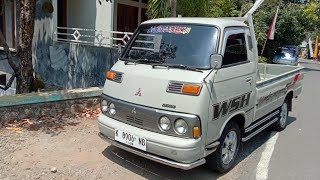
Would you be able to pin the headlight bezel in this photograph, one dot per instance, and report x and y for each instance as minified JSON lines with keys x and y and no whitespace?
{"x":112,"y":110}
{"x":185,"y":129}
{"x":104,"y":103}
{"x":160,"y":124}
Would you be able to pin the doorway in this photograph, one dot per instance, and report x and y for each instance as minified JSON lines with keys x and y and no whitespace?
{"x":127,"y":18}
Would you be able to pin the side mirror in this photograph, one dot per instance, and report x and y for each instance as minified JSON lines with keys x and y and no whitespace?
{"x":216,"y":61}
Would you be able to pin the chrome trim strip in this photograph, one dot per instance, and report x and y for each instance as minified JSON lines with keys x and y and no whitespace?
{"x":250,"y":128}
{"x":259,"y":130}
{"x":184,"y":166}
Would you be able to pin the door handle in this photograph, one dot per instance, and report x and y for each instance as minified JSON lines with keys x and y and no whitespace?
{"x":249,"y":80}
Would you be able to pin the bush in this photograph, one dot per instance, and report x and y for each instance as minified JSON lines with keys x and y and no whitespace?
{"x":263,"y":59}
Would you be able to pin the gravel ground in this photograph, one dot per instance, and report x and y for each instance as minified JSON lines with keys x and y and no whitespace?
{"x":57,"y":151}
{"x":72,"y":152}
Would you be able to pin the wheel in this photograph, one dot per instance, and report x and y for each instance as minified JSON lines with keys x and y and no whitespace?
{"x":281,"y":124}
{"x":222,"y":160}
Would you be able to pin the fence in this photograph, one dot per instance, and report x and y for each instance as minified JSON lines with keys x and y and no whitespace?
{"x":10,"y":91}
{"x":92,"y":36}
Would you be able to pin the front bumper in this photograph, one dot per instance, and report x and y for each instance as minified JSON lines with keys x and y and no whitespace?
{"x":168,"y":162}
{"x":172,"y":151}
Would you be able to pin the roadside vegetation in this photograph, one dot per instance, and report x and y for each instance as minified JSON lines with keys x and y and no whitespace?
{"x":296,"y":21}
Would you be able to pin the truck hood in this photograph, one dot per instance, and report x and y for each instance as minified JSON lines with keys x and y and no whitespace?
{"x":143,"y":85}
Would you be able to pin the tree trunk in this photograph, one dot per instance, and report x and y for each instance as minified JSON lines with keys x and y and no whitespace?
{"x":25,"y":70}
{"x":173,"y":8}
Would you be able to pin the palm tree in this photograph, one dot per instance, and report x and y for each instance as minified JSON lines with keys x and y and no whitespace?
{"x":161,"y":8}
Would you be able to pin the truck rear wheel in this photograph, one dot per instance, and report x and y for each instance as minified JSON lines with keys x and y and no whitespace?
{"x":281,"y":124}
{"x":222,"y":160}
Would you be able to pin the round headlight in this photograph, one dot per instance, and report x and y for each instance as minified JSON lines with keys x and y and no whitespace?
{"x":165,"y":123}
{"x":104,"y":106}
{"x":112,"y":109}
{"x":180,"y":126}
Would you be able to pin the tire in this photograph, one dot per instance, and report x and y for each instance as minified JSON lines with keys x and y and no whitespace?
{"x":281,"y":124}
{"x":221,"y":161}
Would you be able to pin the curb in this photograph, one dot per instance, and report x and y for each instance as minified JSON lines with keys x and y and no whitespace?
{"x":35,"y":98}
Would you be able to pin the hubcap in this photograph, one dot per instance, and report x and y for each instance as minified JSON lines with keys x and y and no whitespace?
{"x":229,"y":147}
{"x":283,"y":115}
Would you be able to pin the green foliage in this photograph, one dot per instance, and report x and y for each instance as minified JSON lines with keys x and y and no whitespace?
{"x":263,"y":59}
{"x":292,"y":27}
{"x":158,"y":9}
{"x":191,"y":8}
{"x":37,"y":83}
{"x":295,"y":21}
{"x":205,"y":8}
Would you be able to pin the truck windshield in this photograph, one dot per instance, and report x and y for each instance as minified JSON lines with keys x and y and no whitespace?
{"x":183,"y":44}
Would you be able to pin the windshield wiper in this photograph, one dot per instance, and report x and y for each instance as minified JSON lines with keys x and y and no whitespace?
{"x":178,"y":66}
{"x":144,"y":61}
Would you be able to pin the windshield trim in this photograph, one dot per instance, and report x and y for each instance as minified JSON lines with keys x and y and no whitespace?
{"x":135,"y":34}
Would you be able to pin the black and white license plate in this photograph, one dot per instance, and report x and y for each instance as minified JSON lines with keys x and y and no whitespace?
{"x":131,"y":139}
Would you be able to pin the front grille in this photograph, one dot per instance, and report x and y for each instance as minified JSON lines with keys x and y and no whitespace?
{"x":175,"y":87}
{"x":118,"y":77}
{"x":134,"y":120}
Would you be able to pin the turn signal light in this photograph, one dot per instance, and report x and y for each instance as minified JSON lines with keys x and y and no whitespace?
{"x":196,"y":132}
{"x":192,"y":89}
{"x":110,"y":75}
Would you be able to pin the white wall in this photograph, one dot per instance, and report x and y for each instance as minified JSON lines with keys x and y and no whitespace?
{"x":104,"y":15}
{"x":89,"y":14}
{"x":11,"y":90}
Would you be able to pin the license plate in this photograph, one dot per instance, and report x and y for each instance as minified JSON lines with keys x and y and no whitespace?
{"x":130,"y":139}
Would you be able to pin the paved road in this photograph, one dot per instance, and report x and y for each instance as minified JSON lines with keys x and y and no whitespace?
{"x":290,"y":154}
{"x":78,"y":153}
{"x":295,"y":150}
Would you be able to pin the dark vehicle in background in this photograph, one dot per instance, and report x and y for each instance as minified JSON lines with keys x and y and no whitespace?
{"x":287,"y":55}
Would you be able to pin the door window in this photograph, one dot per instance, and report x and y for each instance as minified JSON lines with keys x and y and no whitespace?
{"x":235,"y":50}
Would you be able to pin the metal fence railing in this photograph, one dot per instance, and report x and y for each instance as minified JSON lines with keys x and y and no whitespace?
{"x":10,"y":91}
{"x":92,"y":36}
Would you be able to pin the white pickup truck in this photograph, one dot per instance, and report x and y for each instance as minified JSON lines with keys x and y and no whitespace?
{"x":189,"y":91}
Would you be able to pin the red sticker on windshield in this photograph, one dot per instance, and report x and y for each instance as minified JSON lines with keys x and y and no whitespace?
{"x":170,"y":29}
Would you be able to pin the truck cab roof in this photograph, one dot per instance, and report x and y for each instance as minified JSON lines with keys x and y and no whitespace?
{"x":219,"y":22}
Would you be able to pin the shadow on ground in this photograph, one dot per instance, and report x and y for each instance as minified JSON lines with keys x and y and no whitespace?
{"x":152,"y":170}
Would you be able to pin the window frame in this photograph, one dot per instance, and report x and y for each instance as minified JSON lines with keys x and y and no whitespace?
{"x":231,"y":31}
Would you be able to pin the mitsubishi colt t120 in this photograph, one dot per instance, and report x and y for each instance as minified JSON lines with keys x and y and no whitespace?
{"x":189,"y":91}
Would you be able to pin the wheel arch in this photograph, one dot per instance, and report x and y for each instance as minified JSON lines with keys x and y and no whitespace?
{"x":289,"y":98}
{"x":239,"y":118}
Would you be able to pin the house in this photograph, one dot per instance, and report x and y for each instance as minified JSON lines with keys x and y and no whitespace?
{"x":74,"y":40}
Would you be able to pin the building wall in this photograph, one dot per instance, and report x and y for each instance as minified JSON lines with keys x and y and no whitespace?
{"x":74,"y":65}
{"x":104,"y":15}
{"x":8,"y":23}
{"x":70,"y":65}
